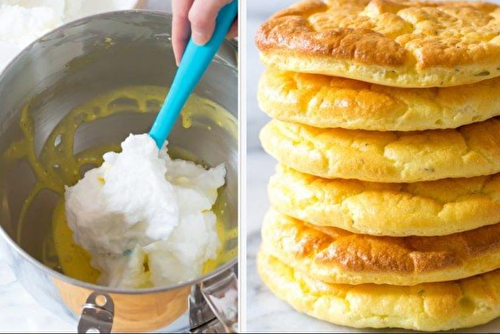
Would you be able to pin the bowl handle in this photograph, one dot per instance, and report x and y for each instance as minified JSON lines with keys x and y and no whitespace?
{"x":97,"y":314}
{"x":221,"y":295}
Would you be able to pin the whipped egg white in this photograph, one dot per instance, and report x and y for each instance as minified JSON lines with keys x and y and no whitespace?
{"x":145,"y":218}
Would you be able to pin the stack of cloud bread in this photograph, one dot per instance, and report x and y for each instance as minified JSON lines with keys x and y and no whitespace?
{"x":386,"y":200}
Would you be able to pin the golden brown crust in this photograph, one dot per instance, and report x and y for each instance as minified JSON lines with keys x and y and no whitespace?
{"x":423,"y":209}
{"x":396,"y":43}
{"x":426,"y":307}
{"x":292,"y":30}
{"x":337,"y":256}
{"x":472,"y":150}
{"x":330,"y":102}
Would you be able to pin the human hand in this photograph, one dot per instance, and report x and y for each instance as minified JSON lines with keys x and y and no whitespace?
{"x":196,"y":19}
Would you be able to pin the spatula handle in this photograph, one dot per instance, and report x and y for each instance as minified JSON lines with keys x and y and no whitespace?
{"x":194,"y":63}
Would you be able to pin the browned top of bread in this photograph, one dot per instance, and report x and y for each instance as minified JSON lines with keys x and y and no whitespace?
{"x":405,"y":37}
{"x":337,"y":256}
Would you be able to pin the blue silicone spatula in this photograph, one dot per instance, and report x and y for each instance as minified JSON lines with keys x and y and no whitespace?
{"x":194,"y":63}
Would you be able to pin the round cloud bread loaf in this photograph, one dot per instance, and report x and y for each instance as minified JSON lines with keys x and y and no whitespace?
{"x":388,"y":209}
{"x":338,"y":256}
{"x":393,"y":43}
{"x":333,"y":102}
{"x":471,"y":150}
{"x":425,"y":307}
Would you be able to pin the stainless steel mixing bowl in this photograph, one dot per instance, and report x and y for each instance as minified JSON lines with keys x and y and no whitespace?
{"x":61,"y":71}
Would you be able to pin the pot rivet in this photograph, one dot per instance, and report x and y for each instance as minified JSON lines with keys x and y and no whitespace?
{"x":101,"y":300}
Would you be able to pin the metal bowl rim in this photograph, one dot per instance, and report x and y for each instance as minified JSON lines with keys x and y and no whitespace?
{"x":68,"y":279}
{"x":231,"y":43}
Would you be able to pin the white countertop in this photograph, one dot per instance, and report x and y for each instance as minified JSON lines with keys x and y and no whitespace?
{"x":265,"y":312}
{"x":19,"y":312}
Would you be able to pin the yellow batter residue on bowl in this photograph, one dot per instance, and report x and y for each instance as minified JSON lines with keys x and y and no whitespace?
{"x":57,"y":166}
